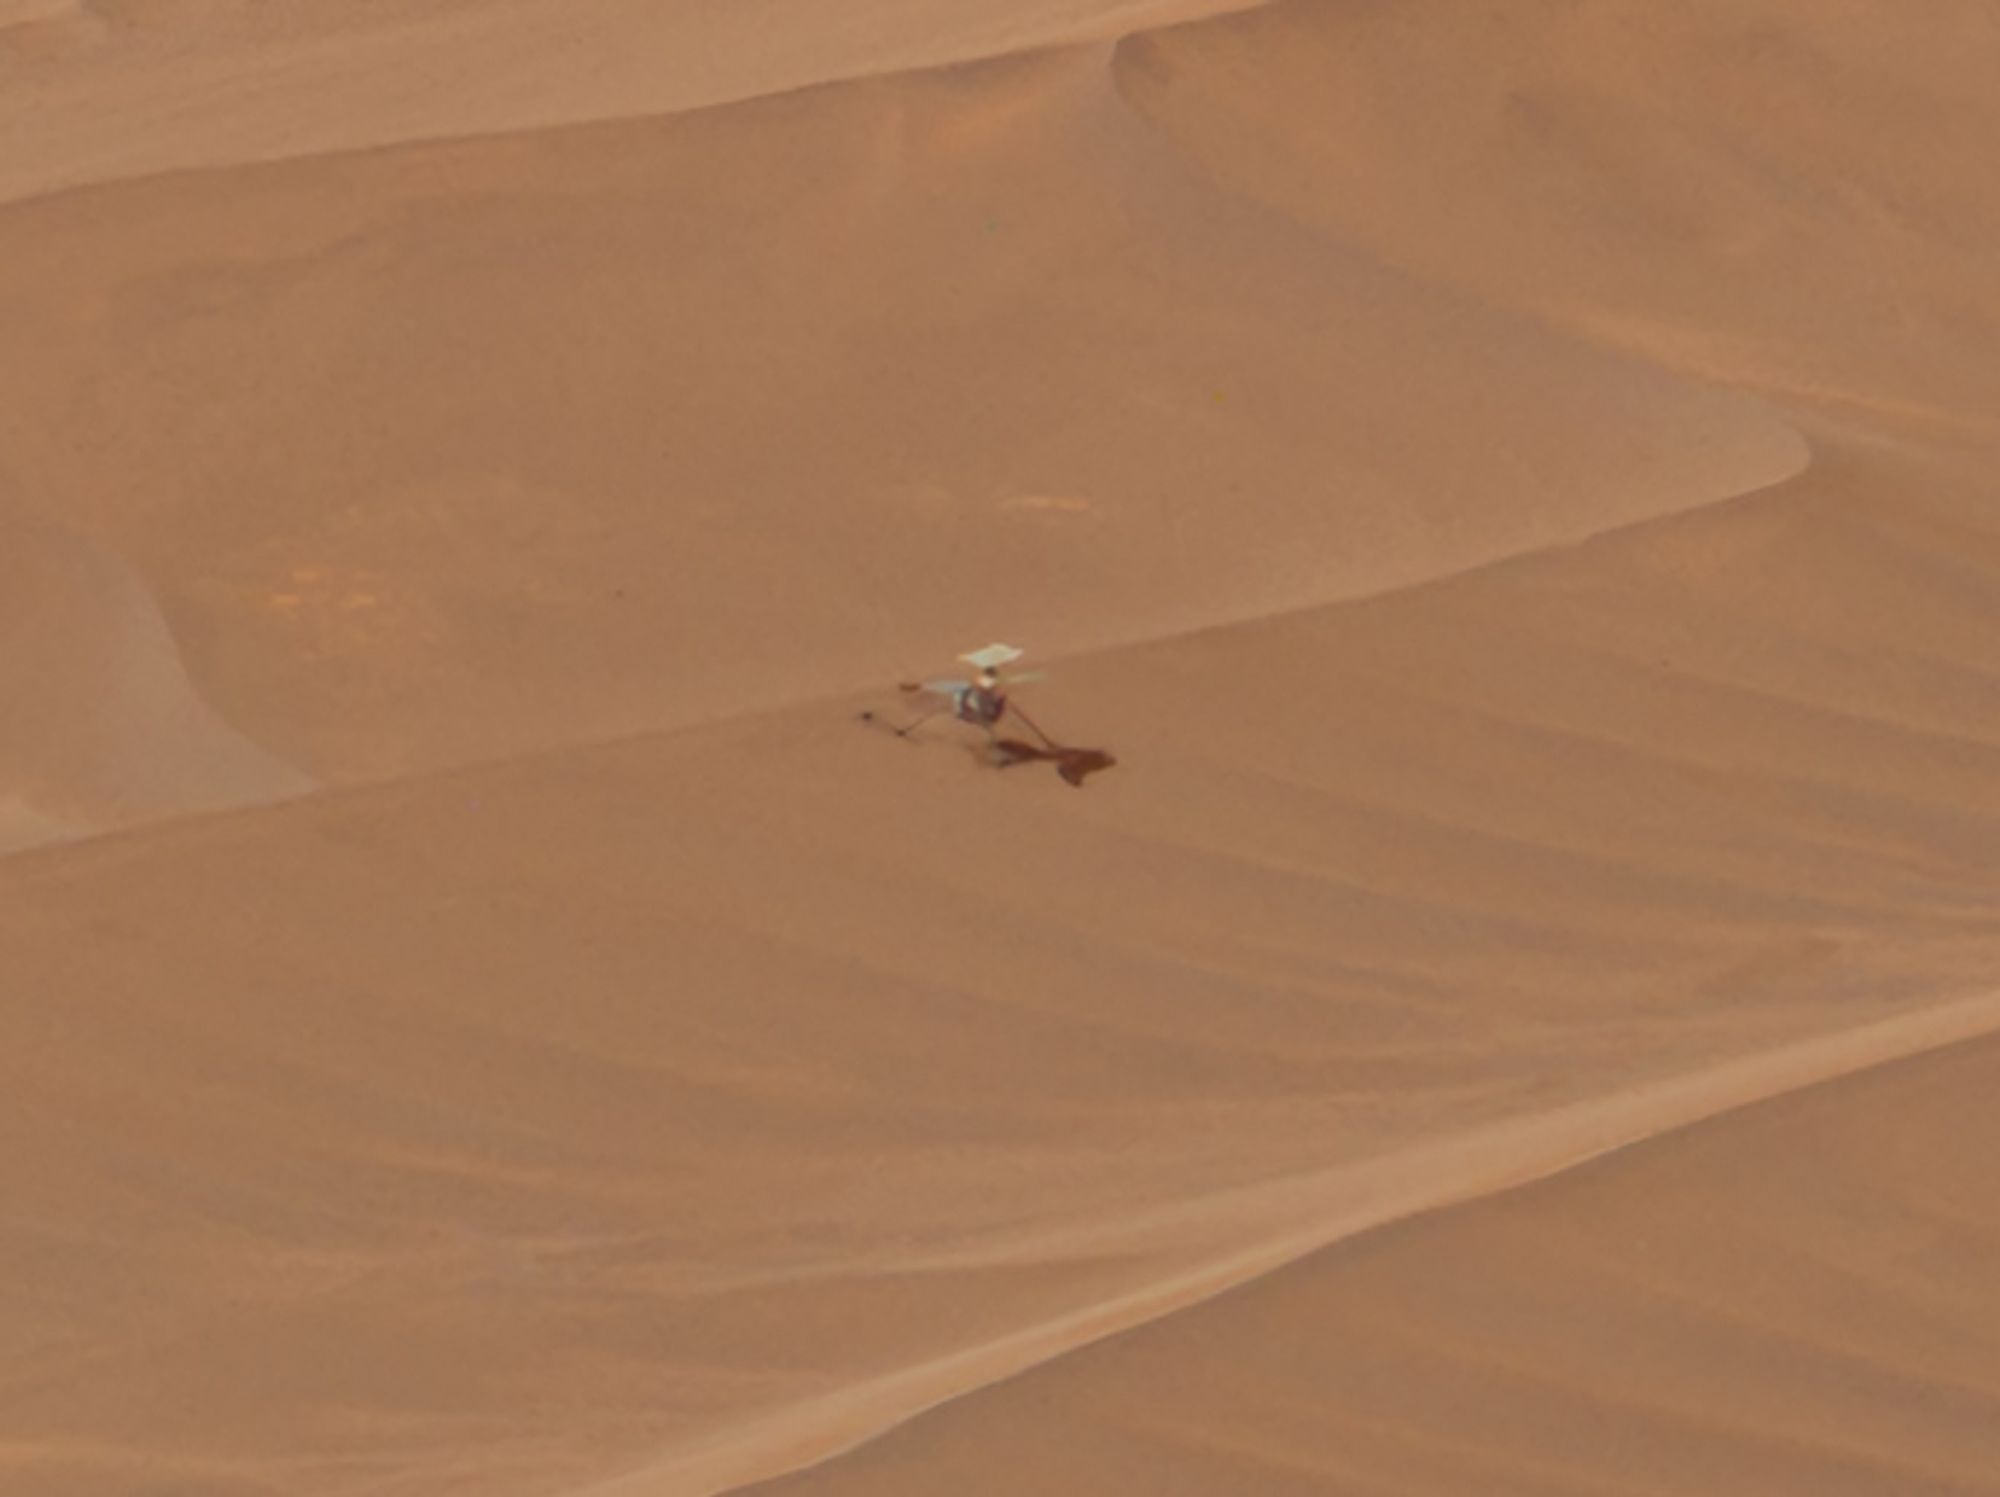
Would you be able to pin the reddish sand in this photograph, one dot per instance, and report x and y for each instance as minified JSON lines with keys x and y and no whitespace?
{"x":1512,"y":488}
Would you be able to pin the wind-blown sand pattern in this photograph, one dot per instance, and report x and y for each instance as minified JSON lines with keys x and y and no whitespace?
{"x":1566,"y":1338}
{"x":1513,"y":487}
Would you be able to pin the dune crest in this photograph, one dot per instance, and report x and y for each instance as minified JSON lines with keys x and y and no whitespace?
{"x":1534,"y":1341}
{"x":108,"y":90}
{"x":1742,"y":190}
{"x":1394,"y":1189}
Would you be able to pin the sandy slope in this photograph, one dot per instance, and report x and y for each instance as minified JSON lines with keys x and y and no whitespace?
{"x":503,"y":1131}
{"x":1773,"y":195}
{"x":1794,"y":1299}
{"x":1511,"y":718}
{"x":455,"y":452}
{"x":97,"y":90}
{"x":103,"y":725}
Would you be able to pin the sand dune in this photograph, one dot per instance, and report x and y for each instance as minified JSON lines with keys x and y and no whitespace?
{"x":107,"y":90}
{"x":688,"y":1081}
{"x":1790,"y":1299}
{"x":1768,"y":194}
{"x":1515,"y":494}
{"x":480,"y":467}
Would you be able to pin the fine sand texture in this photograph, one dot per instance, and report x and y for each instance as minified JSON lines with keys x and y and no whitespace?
{"x":482,"y":1010}
{"x":1792,"y":1299}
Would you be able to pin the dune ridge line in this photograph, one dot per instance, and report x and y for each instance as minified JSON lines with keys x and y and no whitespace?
{"x":127,"y":99}
{"x":72,"y":837}
{"x":1379,"y":1193}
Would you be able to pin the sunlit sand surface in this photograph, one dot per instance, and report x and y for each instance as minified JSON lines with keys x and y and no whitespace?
{"x":483,"y":1014}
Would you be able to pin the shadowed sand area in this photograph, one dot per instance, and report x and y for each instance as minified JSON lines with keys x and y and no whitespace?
{"x":1515,"y":492}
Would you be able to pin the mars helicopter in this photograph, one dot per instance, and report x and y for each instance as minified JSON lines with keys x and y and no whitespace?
{"x":983,"y":700}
